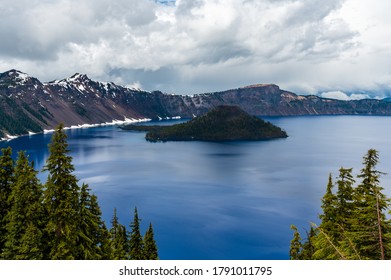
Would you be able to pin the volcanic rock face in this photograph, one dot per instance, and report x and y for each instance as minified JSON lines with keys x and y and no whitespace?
{"x":28,"y":105}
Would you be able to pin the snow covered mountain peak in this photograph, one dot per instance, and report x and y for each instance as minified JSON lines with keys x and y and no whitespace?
{"x":75,"y":80}
{"x":18,"y":76}
{"x":14,"y":78}
{"x":77,"y":77}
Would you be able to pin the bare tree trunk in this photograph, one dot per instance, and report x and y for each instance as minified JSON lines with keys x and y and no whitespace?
{"x":331,"y":243}
{"x":379,"y":228}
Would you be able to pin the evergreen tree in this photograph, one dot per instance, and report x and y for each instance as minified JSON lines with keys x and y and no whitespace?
{"x":6,"y":178}
{"x":60,"y":220}
{"x":329,"y":204}
{"x":296,"y":246}
{"x":353,"y":222}
{"x":24,"y":238}
{"x":325,"y":246}
{"x":61,"y":199}
{"x":344,"y":213}
{"x":105,"y":245}
{"x":370,"y":229}
{"x":309,"y":248}
{"x":136,"y":246}
{"x":337,"y":210}
{"x":150,"y":248}
{"x":119,"y":239}
{"x":327,"y":234}
{"x":345,"y":197}
{"x":102,"y":236}
{"x":91,"y":231}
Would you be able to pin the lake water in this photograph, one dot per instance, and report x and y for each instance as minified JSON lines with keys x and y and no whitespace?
{"x":220,"y":200}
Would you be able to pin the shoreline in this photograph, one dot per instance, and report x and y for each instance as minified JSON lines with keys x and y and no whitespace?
{"x":80,"y":126}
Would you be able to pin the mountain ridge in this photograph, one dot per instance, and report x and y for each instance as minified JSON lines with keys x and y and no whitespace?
{"x":28,"y":105}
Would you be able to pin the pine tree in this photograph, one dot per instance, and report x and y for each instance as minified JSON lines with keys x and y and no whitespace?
{"x":344,"y":213}
{"x":60,"y":220}
{"x":91,"y":230}
{"x":327,"y":234}
{"x":105,"y":245}
{"x":150,"y":247}
{"x":101,"y":236}
{"x":6,"y":178}
{"x":296,"y":246}
{"x":325,"y":246}
{"x":345,"y":197}
{"x":119,"y":239}
{"x":24,"y":238}
{"x":370,"y":230}
{"x":309,"y":248}
{"x":329,"y":204}
{"x":61,"y":199}
{"x":356,"y":226}
{"x":136,"y":246}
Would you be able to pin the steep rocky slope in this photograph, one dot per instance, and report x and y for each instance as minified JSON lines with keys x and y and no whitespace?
{"x":28,"y":105}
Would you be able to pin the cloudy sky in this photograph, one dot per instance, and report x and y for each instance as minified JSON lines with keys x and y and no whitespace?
{"x":338,"y":48}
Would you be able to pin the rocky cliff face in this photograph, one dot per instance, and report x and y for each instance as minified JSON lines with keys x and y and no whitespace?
{"x":28,"y":105}
{"x":270,"y":100}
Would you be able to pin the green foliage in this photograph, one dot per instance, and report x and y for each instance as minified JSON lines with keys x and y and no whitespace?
{"x":370,"y":228}
{"x":329,"y":204}
{"x":119,"y":239}
{"x":59,"y":220}
{"x":80,"y":110}
{"x":26,"y":217}
{"x":38,"y":115}
{"x":353,"y":223}
{"x":92,"y":233}
{"x":344,"y":205}
{"x":309,"y":246}
{"x":136,"y":244}
{"x":296,"y":246}
{"x":131,"y":245}
{"x":6,"y":180}
{"x":61,"y":199}
{"x":150,"y":247}
{"x":14,"y":120}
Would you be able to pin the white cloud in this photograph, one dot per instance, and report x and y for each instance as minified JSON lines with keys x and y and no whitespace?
{"x":351,"y":96}
{"x":197,"y":46}
{"x":136,"y":85}
{"x":343,"y":96}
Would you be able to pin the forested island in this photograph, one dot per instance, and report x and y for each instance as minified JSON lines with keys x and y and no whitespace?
{"x":223,"y":123}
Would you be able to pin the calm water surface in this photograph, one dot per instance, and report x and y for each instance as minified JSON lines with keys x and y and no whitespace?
{"x":220,"y":200}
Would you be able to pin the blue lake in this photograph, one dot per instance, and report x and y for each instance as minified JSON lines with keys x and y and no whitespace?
{"x":220,"y":200}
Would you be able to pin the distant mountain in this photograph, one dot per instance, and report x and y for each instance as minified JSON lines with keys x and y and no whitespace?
{"x":222,"y":123}
{"x":28,"y":105}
